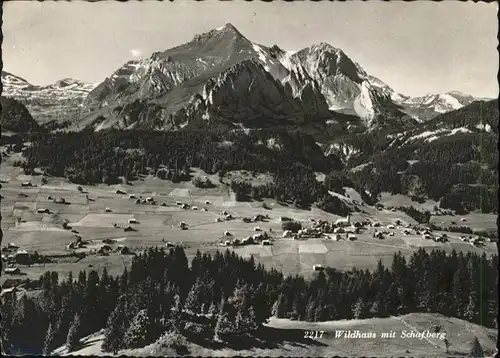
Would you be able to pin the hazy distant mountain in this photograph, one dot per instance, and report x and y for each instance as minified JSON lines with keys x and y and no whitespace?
{"x":60,"y":101}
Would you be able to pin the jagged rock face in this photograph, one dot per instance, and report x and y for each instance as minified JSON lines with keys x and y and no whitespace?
{"x":58,"y":102}
{"x":236,"y":79}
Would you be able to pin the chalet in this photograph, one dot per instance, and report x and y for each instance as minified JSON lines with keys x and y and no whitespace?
{"x":204,"y":209}
{"x":185,"y":206}
{"x":218,"y":220}
{"x":229,"y":217}
{"x":138,"y":201}
{"x":236,"y":242}
{"x":132,"y":196}
{"x":108,"y":210}
{"x":129,"y":228}
{"x":391,"y":234}
{"x":246,"y":220}
{"x":118,"y":191}
{"x":163,"y":204}
{"x":258,"y":237}
{"x":259,"y":217}
{"x":224,"y":213}
{"x":207,"y":202}
{"x":149,"y":199}
{"x":60,"y":201}
{"x":375,"y":224}
{"x":132,"y":221}
{"x":247,"y":241}
{"x":43,"y":211}
{"x":287,"y":233}
{"x":12,"y":270}
{"x":195,"y":208}
{"x":257,"y":229}
{"x":390,"y":226}
{"x":427,"y":237}
{"x":463,"y":219}
{"x":266,"y":243}
{"x":12,"y":246}
{"x":169,"y":244}
{"x":178,"y":203}
{"x":50,"y":198}
{"x":183,"y":225}
{"x":227,"y":243}
{"x":26,"y":184}
{"x":378,"y":235}
{"x":284,"y":218}
{"x":227,"y":233}
{"x":318,"y":267}
{"x":352,"y":237}
{"x":343,"y":221}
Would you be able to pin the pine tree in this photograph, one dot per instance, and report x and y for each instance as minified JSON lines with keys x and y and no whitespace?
{"x":310,"y":310}
{"x":278,"y":309}
{"x":358,"y":309}
{"x":115,"y":329}
{"x":137,"y":333}
{"x":194,"y":297}
{"x":49,"y":343}
{"x":476,"y":349}
{"x":73,"y":338}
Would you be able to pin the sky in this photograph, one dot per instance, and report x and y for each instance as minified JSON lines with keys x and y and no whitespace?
{"x":414,"y":47}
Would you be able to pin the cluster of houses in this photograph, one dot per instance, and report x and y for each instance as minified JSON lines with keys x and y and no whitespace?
{"x":105,"y":249}
{"x":12,"y":255}
{"x":262,"y":237}
{"x":475,"y":240}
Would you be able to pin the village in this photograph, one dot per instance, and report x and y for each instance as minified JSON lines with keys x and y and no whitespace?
{"x":19,"y":258}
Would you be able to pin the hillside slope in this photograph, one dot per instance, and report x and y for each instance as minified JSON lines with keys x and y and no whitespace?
{"x":282,"y":337}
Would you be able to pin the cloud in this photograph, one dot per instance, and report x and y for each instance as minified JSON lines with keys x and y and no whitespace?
{"x":136,"y":52}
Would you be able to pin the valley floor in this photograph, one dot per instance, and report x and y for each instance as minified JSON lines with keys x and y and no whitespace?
{"x":88,"y":216}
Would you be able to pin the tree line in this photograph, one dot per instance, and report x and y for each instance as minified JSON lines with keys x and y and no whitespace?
{"x":222,"y":296}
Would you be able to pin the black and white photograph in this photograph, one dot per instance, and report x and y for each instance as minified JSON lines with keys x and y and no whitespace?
{"x":249,"y":178}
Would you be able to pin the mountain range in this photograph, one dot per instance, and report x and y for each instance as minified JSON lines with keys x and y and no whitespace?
{"x":223,"y":77}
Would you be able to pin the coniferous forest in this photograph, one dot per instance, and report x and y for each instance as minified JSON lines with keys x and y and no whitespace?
{"x":220,"y":296}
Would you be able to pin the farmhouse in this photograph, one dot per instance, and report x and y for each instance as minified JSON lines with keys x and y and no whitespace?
{"x":427,"y":237}
{"x":169,"y":244}
{"x":207,"y":202}
{"x":138,"y":201}
{"x":195,"y":208}
{"x":218,"y":220}
{"x":236,"y":242}
{"x":257,"y":229}
{"x":26,"y":184}
{"x":227,"y":243}
{"x":149,"y":199}
{"x":204,"y":209}
{"x":287,"y":233}
{"x":229,"y":217}
{"x":390,"y":226}
{"x":352,"y":237}
{"x":132,"y":196}
{"x":378,"y":235}
{"x":227,"y":233}
{"x":118,"y":191}
{"x":259,"y":217}
{"x":318,"y":267}
{"x":12,"y":270}
{"x":61,"y":200}
{"x":247,"y":241}
{"x":108,"y":210}
{"x":183,"y":225}
{"x":12,"y":246}
{"x":163,"y":204}
{"x":284,"y":218}
{"x":50,"y":198}
{"x":266,"y":242}
{"x":129,"y":228}
{"x":185,"y":206}
{"x":43,"y":211}
{"x":132,"y":221}
{"x":178,"y":203}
